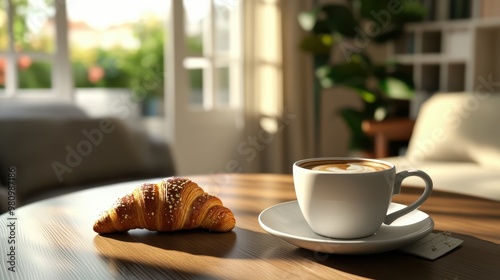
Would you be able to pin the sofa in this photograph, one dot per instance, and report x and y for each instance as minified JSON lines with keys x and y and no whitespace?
{"x":55,"y":148}
{"x":456,"y":140}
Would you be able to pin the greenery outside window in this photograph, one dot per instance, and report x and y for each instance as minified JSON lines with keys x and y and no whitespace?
{"x":32,"y":50}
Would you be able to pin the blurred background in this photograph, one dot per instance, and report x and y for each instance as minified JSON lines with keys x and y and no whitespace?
{"x":228,"y":85}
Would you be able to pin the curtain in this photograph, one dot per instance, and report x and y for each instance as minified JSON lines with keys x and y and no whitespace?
{"x":277,"y":87}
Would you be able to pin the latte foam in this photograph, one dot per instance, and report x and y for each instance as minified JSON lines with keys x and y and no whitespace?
{"x":354,"y":167}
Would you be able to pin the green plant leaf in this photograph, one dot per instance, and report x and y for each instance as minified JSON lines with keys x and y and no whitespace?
{"x":354,"y":118}
{"x":321,"y":27}
{"x":317,"y":43}
{"x":311,"y":21}
{"x":396,"y":88}
{"x":358,"y":85}
{"x":308,"y":19}
{"x":370,"y":9}
{"x":389,"y":33}
{"x":412,"y":11}
{"x":366,"y":95}
{"x":340,"y":18}
{"x":380,"y":71}
{"x":380,"y":113}
{"x":362,"y":59}
{"x":385,"y":12}
{"x":386,"y":18}
{"x":342,"y":74}
{"x":320,"y":60}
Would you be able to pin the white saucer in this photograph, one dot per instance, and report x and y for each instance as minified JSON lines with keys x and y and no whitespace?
{"x":286,"y":222}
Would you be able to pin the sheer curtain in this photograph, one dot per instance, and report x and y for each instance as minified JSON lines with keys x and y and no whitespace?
{"x":277,"y":87}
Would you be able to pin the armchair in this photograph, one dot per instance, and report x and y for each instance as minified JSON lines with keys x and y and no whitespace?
{"x":456,"y":140}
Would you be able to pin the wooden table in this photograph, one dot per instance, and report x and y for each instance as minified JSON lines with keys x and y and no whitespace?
{"x":54,"y":240}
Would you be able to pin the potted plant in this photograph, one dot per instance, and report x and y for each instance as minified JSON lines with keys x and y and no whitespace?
{"x":346,"y":31}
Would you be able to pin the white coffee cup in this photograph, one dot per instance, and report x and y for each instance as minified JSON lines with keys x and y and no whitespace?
{"x":350,"y":197}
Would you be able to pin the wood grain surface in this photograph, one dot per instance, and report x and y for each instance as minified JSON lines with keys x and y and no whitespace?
{"x":54,"y":240}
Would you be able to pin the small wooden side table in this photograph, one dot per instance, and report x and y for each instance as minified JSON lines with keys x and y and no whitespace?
{"x":384,"y":132}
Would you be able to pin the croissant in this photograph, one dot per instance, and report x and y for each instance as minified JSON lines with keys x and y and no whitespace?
{"x":170,"y":205}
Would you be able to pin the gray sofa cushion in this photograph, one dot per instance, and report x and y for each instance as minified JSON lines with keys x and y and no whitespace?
{"x":53,"y":153}
{"x":39,"y":109}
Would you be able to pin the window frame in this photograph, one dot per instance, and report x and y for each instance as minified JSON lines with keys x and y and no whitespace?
{"x":210,"y":60}
{"x":61,"y":77}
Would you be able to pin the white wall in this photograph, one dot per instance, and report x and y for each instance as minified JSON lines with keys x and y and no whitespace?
{"x":335,"y":134}
{"x":99,"y":102}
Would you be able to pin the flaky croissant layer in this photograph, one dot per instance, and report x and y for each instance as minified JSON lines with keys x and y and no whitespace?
{"x":170,"y":205}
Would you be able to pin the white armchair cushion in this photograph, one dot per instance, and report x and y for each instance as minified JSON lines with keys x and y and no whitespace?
{"x":459,"y":127}
{"x":458,"y":177}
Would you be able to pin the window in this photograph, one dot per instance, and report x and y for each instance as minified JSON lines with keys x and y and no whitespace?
{"x":118,"y":55}
{"x":113,"y":50}
{"x":213,"y":58}
{"x":32,"y":48}
{"x":34,"y":56}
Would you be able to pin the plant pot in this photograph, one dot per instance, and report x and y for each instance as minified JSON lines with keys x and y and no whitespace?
{"x":152,"y":106}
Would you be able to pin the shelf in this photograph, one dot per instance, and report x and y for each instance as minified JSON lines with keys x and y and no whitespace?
{"x":455,"y":50}
{"x":431,"y":42}
{"x":460,"y":9}
{"x":408,"y":69}
{"x":487,"y":60}
{"x":405,"y":44}
{"x":420,"y":58}
{"x":456,"y":77}
{"x":441,"y":25}
{"x":430,"y":77}
{"x":458,"y":43}
{"x":487,"y":22}
{"x":430,"y":6}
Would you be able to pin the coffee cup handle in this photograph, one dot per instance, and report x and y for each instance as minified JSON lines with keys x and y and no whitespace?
{"x":397,"y":189}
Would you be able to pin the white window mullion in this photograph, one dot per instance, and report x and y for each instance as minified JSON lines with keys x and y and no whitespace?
{"x":60,"y":65}
{"x":195,"y":63}
{"x":236,"y":59}
{"x":38,"y":56}
{"x":10,"y":76}
{"x":209,"y":49}
{"x":11,"y":69}
{"x":62,"y":77}
{"x":214,"y":62}
{"x":174,"y":59}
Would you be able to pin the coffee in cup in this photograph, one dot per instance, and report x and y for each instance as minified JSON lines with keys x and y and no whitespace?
{"x":349,"y":197}
{"x":346,"y":166}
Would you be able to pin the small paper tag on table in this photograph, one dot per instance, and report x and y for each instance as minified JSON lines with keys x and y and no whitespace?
{"x":433,"y":245}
